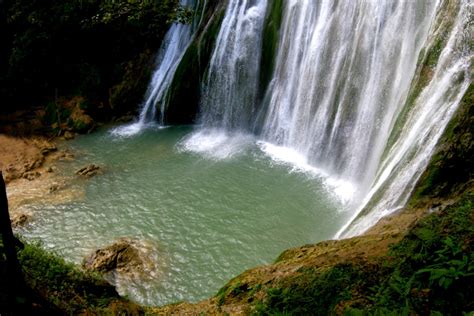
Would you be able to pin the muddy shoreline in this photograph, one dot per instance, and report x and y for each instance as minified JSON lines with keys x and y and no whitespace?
{"x":28,"y":166}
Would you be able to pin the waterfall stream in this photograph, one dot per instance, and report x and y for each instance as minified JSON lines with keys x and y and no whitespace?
{"x":342,"y":77}
{"x":338,"y":101}
{"x":230,"y":92}
{"x":408,"y":156}
{"x":175,"y":43}
{"x":322,"y":140}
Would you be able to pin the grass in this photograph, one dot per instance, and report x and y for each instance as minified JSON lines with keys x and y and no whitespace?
{"x":63,"y":287}
{"x":429,"y":272}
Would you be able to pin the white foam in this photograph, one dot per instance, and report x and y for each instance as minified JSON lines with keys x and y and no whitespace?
{"x":128,"y":130}
{"x":342,"y":189}
{"x":216,"y":144}
{"x":132,"y":129}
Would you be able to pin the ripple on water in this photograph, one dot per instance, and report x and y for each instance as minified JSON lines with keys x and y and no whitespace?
{"x":214,"y":204}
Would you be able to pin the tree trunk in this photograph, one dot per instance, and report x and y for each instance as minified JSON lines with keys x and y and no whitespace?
{"x":14,"y":277}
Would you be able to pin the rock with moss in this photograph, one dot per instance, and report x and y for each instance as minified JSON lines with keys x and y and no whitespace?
{"x":452,"y":167}
{"x":185,"y":92}
{"x":60,"y":288}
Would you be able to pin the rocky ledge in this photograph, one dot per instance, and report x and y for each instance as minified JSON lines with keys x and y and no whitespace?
{"x":121,"y":256}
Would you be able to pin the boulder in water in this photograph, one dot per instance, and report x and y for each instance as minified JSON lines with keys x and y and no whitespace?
{"x":89,"y":171}
{"x":19,"y":220}
{"x":122,"y":255}
{"x":68,"y":135}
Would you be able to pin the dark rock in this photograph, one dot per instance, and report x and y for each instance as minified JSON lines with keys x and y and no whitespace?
{"x":125,"y":119}
{"x":56,"y":186}
{"x":89,"y":171}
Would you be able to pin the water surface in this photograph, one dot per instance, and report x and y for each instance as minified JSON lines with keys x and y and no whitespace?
{"x":211,"y":205}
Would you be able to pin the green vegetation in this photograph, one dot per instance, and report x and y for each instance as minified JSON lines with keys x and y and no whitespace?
{"x":432,"y":268}
{"x":429,"y":272}
{"x":451,"y":168}
{"x":63,"y":287}
{"x":311,"y":292}
{"x":58,"y":48}
{"x":426,"y":64}
{"x":185,"y":90}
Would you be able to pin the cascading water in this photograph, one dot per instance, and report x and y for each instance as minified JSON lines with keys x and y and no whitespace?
{"x":343,"y":72}
{"x":342,"y":78}
{"x":341,"y":105}
{"x":175,"y":43}
{"x":409,"y":155}
{"x":230,"y":93}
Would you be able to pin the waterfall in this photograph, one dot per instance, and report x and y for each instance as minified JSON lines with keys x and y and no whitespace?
{"x":175,"y":43}
{"x":341,"y":82}
{"x":230,"y":92}
{"x":409,"y":155}
{"x":343,"y":72}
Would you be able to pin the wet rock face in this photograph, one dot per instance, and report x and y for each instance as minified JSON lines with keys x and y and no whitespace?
{"x":89,"y":171}
{"x":122,"y":255}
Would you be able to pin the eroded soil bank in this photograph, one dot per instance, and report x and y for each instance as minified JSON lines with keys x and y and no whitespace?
{"x":28,"y":168}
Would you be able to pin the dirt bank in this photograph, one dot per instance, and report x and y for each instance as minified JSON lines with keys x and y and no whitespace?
{"x":28,"y":168}
{"x":21,"y":157}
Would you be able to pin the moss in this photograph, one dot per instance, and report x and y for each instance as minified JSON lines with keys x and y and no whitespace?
{"x":68,"y":289}
{"x":427,"y":61}
{"x":184,"y":94}
{"x":128,"y":94}
{"x":312,"y":292}
{"x":452,"y":166}
{"x":270,"y":41}
{"x":430,"y":271}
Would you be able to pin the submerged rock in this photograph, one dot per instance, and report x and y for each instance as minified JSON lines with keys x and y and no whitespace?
{"x":65,"y":155}
{"x":31,"y":175}
{"x":19,"y":220}
{"x":57,"y":186}
{"x":89,"y":171}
